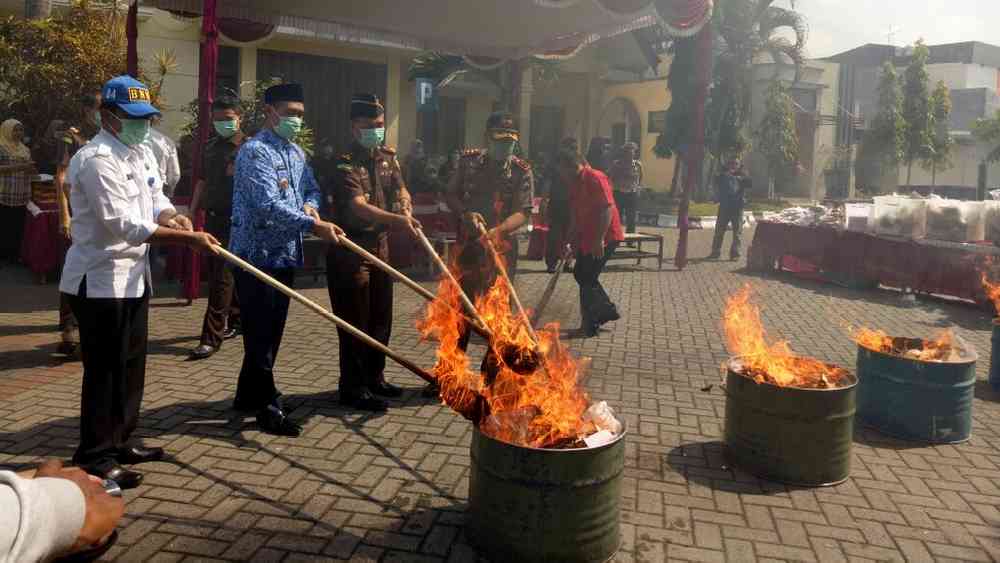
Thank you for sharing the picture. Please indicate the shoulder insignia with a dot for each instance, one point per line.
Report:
(388, 149)
(522, 164)
(73, 130)
(472, 153)
(346, 157)
(345, 167)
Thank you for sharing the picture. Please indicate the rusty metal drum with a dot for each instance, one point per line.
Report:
(558, 505)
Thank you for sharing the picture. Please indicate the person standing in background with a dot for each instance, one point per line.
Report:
(118, 210)
(558, 210)
(165, 151)
(729, 193)
(16, 169)
(275, 201)
(599, 154)
(595, 233)
(77, 135)
(214, 194)
(626, 175)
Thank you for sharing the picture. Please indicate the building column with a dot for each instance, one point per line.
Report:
(248, 70)
(524, 107)
(393, 99)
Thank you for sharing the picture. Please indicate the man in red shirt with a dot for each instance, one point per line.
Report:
(595, 232)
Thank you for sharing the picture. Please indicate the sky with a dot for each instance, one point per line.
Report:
(839, 25)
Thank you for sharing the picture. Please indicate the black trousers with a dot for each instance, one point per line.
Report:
(67, 321)
(361, 294)
(113, 338)
(627, 208)
(728, 215)
(12, 221)
(264, 312)
(593, 298)
(223, 306)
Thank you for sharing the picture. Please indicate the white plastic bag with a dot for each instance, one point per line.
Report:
(603, 418)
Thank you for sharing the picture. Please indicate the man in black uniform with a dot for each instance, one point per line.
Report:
(494, 188)
(214, 194)
(77, 135)
(729, 187)
(366, 198)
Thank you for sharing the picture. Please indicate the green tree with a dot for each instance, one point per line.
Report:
(987, 130)
(941, 140)
(918, 142)
(883, 144)
(48, 64)
(776, 134)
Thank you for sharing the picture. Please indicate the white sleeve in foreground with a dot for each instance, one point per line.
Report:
(39, 518)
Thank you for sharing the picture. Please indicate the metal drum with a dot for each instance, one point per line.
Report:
(995, 357)
(528, 504)
(790, 435)
(915, 400)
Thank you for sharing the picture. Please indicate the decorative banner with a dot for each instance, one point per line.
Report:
(684, 18)
(484, 64)
(623, 8)
(426, 99)
(244, 31)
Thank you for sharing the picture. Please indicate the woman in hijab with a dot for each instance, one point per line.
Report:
(16, 170)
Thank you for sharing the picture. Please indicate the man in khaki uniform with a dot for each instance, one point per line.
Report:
(494, 188)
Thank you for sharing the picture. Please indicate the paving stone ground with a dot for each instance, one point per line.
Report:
(394, 487)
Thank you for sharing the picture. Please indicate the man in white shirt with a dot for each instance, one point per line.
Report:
(165, 151)
(116, 192)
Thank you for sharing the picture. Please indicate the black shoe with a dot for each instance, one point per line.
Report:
(551, 269)
(385, 389)
(68, 348)
(610, 313)
(363, 400)
(714, 256)
(273, 420)
(734, 256)
(203, 351)
(232, 332)
(138, 454)
(590, 330)
(108, 468)
(431, 391)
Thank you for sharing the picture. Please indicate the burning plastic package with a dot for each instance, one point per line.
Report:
(602, 417)
(945, 347)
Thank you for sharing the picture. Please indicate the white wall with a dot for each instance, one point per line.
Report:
(959, 75)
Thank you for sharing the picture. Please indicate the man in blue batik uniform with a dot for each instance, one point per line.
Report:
(275, 201)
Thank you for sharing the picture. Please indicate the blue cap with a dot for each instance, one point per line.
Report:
(130, 95)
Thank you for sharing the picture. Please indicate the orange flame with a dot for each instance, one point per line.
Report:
(539, 409)
(944, 346)
(992, 292)
(772, 363)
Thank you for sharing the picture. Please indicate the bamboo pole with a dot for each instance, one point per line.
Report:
(466, 302)
(318, 309)
(550, 289)
(405, 280)
(503, 272)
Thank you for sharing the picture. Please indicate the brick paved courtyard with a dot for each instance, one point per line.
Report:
(394, 487)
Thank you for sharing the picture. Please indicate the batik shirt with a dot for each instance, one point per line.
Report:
(273, 183)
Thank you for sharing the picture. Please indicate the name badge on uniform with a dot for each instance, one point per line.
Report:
(151, 181)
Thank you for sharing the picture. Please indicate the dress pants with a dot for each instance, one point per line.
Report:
(113, 338)
(361, 294)
(264, 312)
(728, 215)
(68, 326)
(627, 208)
(223, 306)
(594, 299)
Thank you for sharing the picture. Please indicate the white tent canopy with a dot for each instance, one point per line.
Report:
(486, 28)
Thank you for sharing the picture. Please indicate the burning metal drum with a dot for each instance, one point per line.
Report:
(552, 505)
(995, 357)
(789, 434)
(911, 399)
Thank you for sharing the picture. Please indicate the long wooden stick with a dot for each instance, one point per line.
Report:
(466, 302)
(503, 272)
(421, 290)
(318, 309)
(550, 289)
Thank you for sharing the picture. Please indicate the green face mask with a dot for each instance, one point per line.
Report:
(226, 128)
(501, 150)
(371, 138)
(134, 131)
(288, 127)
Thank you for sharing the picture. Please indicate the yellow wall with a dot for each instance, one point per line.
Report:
(646, 96)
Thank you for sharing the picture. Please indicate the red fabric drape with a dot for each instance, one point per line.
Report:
(132, 37)
(697, 150)
(206, 91)
(684, 18)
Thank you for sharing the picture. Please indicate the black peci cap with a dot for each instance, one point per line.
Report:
(284, 93)
(366, 105)
(500, 125)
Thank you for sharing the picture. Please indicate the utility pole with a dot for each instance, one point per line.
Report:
(891, 35)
